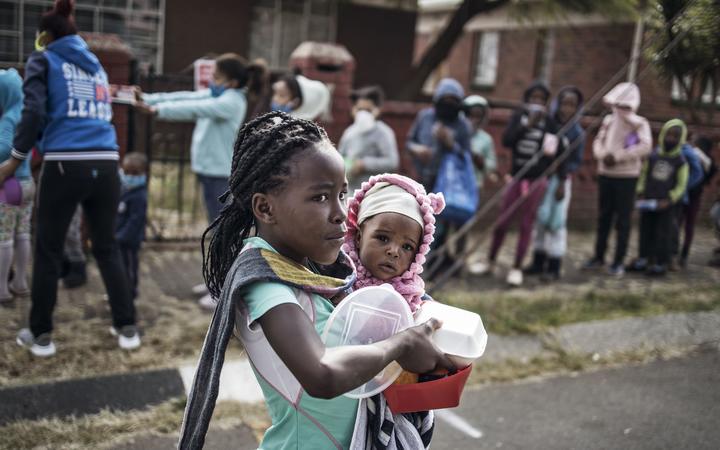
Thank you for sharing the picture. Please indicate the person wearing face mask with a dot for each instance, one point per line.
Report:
(531, 138)
(132, 212)
(623, 141)
(300, 97)
(438, 130)
(368, 145)
(662, 184)
(218, 113)
(550, 241)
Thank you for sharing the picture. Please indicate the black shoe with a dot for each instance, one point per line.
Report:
(553, 270)
(638, 265)
(656, 270)
(538, 265)
(593, 264)
(76, 276)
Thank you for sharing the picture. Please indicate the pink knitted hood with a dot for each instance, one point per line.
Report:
(409, 284)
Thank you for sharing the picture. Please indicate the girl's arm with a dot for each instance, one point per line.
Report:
(599, 149)
(327, 373)
(225, 107)
(159, 97)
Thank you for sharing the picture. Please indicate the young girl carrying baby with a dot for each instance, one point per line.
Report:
(274, 262)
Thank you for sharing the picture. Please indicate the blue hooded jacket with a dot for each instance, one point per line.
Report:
(11, 101)
(422, 132)
(67, 100)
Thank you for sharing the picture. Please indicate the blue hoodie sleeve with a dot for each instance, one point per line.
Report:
(578, 145)
(35, 106)
(130, 231)
(696, 171)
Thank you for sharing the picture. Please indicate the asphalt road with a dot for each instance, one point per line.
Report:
(672, 404)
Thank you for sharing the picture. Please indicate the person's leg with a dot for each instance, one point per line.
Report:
(213, 187)
(6, 259)
(664, 228)
(75, 270)
(625, 203)
(60, 190)
(513, 193)
(23, 244)
(606, 210)
(540, 239)
(691, 213)
(645, 239)
(130, 262)
(101, 211)
(528, 211)
(73, 248)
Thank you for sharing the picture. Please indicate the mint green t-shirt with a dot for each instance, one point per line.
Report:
(291, 429)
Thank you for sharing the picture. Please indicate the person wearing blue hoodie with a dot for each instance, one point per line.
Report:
(132, 214)
(436, 131)
(67, 102)
(550, 241)
(15, 215)
(696, 175)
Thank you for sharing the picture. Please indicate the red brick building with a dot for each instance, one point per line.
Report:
(497, 57)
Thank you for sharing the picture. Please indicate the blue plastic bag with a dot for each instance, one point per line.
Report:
(456, 181)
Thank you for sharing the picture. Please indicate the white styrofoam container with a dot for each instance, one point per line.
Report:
(462, 335)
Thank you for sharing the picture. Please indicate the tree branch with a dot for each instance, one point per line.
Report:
(441, 47)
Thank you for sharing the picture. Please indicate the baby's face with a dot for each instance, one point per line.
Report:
(388, 243)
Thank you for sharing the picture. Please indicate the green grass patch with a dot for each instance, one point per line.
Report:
(515, 313)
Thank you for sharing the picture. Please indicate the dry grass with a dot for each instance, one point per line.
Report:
(534, 312)
(173, 332)
(108, 428)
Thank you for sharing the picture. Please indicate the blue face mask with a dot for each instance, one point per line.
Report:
(132, 181)
(286, 108)
(216, 90)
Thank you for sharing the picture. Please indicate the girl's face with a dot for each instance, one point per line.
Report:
(388, 243)
(476, 115)
(282, 95)
(568, 106)
(220, 79)
(305, 218)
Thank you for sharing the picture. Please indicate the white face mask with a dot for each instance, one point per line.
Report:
(364, 121)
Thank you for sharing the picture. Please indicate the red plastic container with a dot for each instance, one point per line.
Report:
(438, 394)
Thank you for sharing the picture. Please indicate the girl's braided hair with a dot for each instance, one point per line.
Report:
(260, 164)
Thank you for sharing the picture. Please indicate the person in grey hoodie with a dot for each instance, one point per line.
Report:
(622, 143)
(368, 145)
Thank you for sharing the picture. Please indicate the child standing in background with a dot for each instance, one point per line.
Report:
(132, 213)
(15, 214)
(477, 111)
(662, 184)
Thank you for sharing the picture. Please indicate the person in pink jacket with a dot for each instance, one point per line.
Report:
(622, 143)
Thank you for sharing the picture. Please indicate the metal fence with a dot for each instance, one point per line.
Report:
(175, 207)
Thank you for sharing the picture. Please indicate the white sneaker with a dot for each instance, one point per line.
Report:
(207, 302)
(200, 289)
(128, 337)
(480, 268)
(41, 346)
(515, 277)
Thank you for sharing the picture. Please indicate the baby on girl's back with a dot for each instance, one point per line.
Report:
(390, 228)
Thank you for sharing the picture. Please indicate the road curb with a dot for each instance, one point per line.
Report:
(141, 389)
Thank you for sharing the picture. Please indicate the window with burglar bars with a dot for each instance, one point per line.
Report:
(279, 26)
(139, 23)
